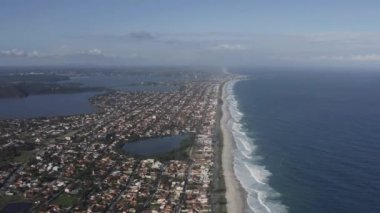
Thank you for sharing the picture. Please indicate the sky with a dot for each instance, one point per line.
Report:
(195, 32)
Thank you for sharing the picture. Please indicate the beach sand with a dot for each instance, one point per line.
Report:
(235, 196)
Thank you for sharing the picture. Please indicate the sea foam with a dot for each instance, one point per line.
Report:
(251, 174)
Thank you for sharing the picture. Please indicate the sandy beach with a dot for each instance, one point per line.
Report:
(234, 194)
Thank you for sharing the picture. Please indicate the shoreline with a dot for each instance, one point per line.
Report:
(235, 195)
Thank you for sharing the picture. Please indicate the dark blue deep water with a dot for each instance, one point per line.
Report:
(319, 135)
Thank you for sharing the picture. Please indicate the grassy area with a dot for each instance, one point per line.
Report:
(67, 200)
(17, 154)
(24, 156)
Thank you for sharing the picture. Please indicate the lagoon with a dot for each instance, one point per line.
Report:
(130, 83)
(46, 105)
(155, 146)
(17, 207)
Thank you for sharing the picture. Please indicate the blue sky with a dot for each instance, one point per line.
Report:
(196, 32)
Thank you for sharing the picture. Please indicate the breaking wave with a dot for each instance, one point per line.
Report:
(252, 175)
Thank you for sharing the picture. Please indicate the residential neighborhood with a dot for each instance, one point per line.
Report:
(78, 164)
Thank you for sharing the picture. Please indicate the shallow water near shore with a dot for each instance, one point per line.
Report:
(252, 175)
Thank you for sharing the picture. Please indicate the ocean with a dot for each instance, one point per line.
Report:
(308, 141)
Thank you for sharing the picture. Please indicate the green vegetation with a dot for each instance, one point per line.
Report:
(17, 154)
(23, 89)
(24, 156)
(32, 78)
(67, 200)
(23, 85)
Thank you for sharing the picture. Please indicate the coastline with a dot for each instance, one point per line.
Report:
(235, 194)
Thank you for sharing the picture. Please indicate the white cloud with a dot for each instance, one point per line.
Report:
(366, 58)
(353, 58)
(140, 36)
(339, 48)
(14, 53)
(95, 51)
(20, 53)
(229, 47)
(329, 58)
(34, 53)
(135, 56)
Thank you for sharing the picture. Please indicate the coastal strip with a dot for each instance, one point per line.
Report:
(235, 195)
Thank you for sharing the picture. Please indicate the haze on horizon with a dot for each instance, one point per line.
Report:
(230, 33)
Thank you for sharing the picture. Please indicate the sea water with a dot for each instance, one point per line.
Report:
(308, 141)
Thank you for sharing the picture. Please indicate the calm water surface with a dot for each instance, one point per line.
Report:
(154, 146)
(46, 105)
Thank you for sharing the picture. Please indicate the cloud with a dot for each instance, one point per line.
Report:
(126, 37)
(14, 53)
(35, 53)
(229, 47)
(348, 38)
(20, 53)
(166, 48)
(366, 58)
(139, 36)
(329, 58)
(351, 58)
(89, 52)
(95, 51)
(79, 56)
(135, 56)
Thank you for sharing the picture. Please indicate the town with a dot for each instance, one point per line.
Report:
(77, 164)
